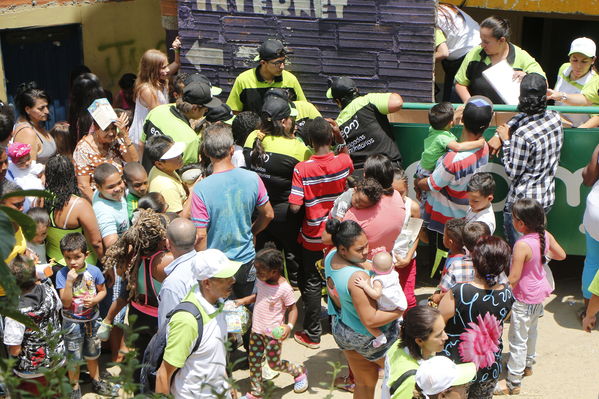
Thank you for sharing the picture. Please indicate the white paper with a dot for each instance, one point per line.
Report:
(102, 112)
(501, 77)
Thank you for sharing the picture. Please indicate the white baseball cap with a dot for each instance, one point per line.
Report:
(438, 373)
(173, 152)
(213, 263)
(583, 45)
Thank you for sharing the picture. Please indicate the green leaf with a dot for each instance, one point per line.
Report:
(7, 243)
(20, 317)
(9, 285)
(29, 193)
(27, 224)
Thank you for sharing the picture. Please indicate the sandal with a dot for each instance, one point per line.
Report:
(345, 384)
(507, 390)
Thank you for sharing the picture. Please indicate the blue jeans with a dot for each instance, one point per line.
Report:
(591, 265)
(511, 235)
(81, 340)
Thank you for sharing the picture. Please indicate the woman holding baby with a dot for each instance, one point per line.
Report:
(355, 313)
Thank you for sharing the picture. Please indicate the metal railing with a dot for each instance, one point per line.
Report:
(511, 108)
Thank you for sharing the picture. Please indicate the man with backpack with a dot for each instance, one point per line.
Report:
(198, 357)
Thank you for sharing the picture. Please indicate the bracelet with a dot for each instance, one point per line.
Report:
(290, 326)
(564, 97)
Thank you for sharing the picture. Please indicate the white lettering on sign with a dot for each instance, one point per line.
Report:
(572, 181)
(286, 8)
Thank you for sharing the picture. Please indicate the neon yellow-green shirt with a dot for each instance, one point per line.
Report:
(249, 89)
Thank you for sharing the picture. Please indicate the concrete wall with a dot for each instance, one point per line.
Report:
(384, 45)
(115, 33)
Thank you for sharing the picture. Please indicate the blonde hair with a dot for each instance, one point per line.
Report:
(148, 73)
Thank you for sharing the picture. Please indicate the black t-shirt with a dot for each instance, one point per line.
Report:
(366, 129)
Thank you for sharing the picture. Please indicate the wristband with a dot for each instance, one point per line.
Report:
(290, 326)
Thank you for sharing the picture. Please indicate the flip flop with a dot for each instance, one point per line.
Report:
(345, 384)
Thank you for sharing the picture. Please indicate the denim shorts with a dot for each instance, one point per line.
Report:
(349, 340)
(81, 340)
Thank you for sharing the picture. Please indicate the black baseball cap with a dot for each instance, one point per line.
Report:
(278, 92)
(533, 85)
(477, 113)
(199, 93)
(198, 77)
(271, 49)
(277, 108)
(222, 113)
(340, 87)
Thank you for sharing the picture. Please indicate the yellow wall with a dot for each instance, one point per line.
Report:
(115, 34)
(588, 7)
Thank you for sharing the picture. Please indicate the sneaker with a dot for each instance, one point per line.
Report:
(302, 338)
(301, 383)
(76, 393)
(268, 373)
(102, 388)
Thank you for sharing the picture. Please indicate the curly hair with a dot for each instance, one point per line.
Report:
(143, 239)
(532, 105)
(60, 181)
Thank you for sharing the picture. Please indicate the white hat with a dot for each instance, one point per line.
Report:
(583, 45)
(438, 373)
(213, 263)
(173, 152)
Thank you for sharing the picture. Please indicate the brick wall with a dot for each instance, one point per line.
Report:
(383, 45)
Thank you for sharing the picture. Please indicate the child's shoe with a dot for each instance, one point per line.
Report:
(302, 338)
(76, 393)
(102, 388)
(268, 373)
(527, 372)
(301, 383)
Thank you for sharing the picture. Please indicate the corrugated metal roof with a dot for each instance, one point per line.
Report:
(384, 45)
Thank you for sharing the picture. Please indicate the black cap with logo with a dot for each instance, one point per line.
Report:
(199, 93)
(270, 50)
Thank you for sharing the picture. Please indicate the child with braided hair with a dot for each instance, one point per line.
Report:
(139, 256)
(530, 286)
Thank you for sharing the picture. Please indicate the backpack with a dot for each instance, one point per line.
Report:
(154, 352)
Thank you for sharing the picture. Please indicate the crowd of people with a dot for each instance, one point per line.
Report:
(174, 211)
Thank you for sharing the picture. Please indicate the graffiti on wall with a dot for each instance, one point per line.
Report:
(287, 8)
(121, 57)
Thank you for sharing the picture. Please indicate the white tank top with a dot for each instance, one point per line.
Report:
(139, 117)
(568, 86)
(402, 242)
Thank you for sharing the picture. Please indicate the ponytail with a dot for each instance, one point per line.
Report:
(541, 232)
(531, 213)
(268, 127)
(343, 233)
(257, 154)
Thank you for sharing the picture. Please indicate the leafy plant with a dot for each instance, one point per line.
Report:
(9, 218)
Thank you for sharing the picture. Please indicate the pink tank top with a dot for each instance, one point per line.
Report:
(533, 286)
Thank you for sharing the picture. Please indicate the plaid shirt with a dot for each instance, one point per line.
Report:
(462, 271)
(531, 157)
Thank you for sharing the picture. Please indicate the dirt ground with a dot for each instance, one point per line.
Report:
(567, 358)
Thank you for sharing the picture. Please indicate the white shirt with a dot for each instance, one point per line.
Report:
(392, 296)
(590, 219)
(486, 216)
(139, 117)
(176, 285)
(564, 84)
(238, 158)
(207, 365)
(460, 30)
